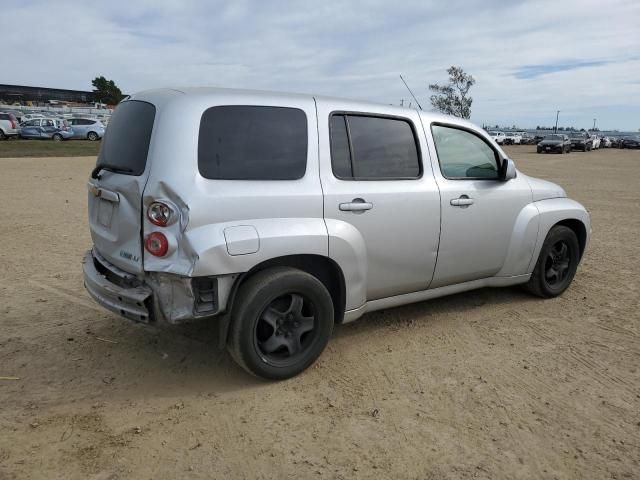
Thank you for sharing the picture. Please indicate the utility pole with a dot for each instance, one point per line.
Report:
(594, 124)
(555, 130)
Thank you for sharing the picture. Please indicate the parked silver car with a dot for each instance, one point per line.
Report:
(8, 125)
(278, 216)
(87, 128)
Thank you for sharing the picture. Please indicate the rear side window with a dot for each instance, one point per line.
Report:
(4, 116)
(126, 143)
(239, 142)
(373, 148)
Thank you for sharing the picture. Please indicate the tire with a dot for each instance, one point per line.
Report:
(93, 136)
(56, 137)
(269, 334)
(556, 265)
(2, 135)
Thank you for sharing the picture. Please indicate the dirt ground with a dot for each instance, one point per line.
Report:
(488, 384)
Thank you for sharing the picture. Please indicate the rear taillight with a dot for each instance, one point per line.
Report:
(159, 214)
(13, 123)
(156, 244)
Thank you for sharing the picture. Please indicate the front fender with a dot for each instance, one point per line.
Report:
(553, 211)
(523, 242)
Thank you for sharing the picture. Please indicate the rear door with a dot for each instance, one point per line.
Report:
(47, 127)
(115, 189)
(378, 194)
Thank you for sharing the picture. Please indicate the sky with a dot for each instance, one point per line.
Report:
(529, 58)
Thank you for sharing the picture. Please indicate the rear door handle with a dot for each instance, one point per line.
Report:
(462, 201)
(356, 205)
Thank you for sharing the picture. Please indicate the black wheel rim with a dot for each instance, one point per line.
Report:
(557, 264)
(285, 329)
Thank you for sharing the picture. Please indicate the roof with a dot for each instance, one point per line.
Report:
(164, 95)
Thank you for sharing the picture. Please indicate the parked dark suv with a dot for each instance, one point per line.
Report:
(581, 141)
(630, 142)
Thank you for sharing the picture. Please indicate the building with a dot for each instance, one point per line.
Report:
(24, 95)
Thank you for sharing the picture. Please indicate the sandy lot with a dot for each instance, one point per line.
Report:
(488, 384)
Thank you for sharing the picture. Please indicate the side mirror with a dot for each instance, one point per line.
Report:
(508, 170)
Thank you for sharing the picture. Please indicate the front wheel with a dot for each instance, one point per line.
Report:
(56, 137)
(281, 321)
(557, 263)
(93, 136)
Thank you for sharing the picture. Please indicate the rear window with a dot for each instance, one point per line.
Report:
(125, 146)
(366, 147)
(239, 142)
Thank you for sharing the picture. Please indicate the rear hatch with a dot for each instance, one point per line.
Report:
(117, 183)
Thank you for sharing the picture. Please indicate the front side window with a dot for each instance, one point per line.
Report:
(239, 142)
(464, 155)
(370, 148)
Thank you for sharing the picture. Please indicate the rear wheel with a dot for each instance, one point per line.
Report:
(56, 137)
(2, 135)
(557, 263)
(93, 136)
(281, 321)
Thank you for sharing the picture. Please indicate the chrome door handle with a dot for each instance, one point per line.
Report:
(462, 201)
(357, 205)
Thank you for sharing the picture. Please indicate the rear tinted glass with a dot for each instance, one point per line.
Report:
(252, 143)
(340, 151)
(383, 148)
(126, 142)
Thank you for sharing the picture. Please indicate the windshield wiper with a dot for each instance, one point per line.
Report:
(111, 168)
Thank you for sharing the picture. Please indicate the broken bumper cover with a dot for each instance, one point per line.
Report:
(130, 302)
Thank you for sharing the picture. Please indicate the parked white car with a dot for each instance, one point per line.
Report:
(276, 216)
(595, 139)
(512, 138)
(498, 137)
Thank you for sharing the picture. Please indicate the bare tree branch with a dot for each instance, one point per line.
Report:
(453, 98)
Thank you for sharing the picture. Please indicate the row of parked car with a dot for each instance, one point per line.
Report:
(512, 138)
(562, 143)
(584, 141)
(52, 128)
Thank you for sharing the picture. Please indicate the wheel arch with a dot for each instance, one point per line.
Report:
(565, 212)
(579, 229)
(323, 268)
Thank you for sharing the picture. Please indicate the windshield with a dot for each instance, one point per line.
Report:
(126, 142)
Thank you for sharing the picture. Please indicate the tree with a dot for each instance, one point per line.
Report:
(106, 91)
(453, 98)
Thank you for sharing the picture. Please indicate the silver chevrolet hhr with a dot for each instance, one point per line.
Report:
(279, 215)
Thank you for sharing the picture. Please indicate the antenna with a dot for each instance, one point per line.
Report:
(414, 97)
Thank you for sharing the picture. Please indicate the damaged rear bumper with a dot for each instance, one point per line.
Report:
(116, 290)
(157, 297)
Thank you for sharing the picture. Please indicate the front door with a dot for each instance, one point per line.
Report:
(479, 211)
(377, 201)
